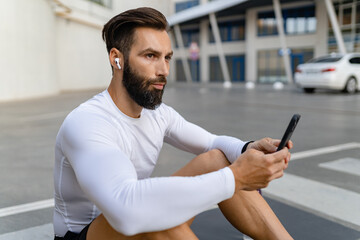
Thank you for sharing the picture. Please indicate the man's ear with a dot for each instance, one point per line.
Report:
(116, 58)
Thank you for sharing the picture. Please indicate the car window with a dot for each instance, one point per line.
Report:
(326, 59)
(355, 60)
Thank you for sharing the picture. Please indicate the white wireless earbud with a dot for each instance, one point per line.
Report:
(117, 63)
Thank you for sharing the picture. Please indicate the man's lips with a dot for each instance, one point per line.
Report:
(159, 86)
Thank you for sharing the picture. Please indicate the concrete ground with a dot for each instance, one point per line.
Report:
(318, 198)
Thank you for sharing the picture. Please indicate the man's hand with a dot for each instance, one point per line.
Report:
(267, 145)
(254, 169)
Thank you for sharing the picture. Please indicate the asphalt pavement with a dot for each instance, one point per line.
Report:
(318, 198)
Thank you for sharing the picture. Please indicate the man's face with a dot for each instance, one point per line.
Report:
(146, 68)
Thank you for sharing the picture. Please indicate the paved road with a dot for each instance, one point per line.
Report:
(318, 198)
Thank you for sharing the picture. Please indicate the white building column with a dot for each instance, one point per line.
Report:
(182, 53)
(335, 26)
(216, 32)
(251, 48)
(204, 56)
(285, 51)
(322, 29)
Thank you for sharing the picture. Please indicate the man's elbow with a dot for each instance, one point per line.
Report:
(128, 224)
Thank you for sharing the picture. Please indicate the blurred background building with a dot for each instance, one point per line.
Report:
(48, 46)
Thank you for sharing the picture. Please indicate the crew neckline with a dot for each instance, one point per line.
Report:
(109, 98)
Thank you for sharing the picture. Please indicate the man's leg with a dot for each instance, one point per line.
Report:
(101, 229)
(247, 211)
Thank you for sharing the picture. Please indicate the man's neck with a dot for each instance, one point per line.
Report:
(122, 99)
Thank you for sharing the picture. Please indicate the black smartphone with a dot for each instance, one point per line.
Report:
(289, 131)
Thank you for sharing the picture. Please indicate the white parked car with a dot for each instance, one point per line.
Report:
(334, 71)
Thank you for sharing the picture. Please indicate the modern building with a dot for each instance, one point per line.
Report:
(48, 46)
(251, 45)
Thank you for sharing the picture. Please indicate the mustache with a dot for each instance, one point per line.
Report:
(160, 79)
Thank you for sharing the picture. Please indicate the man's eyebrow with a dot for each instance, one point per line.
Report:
(147, 50)
(170, 53)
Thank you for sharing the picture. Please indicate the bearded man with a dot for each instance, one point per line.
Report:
(107, 148)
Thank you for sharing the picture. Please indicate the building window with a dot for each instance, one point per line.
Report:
(229, 31)
(194, 70)
(348, 13)
(236, 67)
(299, 56)
(180, 6)
(216, 74)
(271, 65)
(189, 34)
(266, 24)
(296, 21)
(179, 69)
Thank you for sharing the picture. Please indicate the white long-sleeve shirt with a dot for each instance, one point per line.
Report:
(103, 163)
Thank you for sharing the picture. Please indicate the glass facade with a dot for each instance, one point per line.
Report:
(348, 13)
(190, 35)
(229, 31)
(194, 70)
(271, 65)
(296, 21)
(299, 56)
(180, 6)
(180, 75)
(236, 66)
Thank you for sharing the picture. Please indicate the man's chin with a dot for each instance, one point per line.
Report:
(152, 107)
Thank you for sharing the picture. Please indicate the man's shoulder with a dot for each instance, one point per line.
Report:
(94, 111)
(98, 104)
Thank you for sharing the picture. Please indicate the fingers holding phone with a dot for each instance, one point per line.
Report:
(265, 145)
(268, 145)
(264, 160)
(254, 169)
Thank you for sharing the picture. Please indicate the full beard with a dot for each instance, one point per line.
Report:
(139, 88)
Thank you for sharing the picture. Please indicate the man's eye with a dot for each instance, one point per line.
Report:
(168, 58)
(150, 55)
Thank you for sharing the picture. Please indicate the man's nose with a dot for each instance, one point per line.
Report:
(162, 68)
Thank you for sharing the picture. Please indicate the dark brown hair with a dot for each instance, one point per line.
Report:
(118, 32)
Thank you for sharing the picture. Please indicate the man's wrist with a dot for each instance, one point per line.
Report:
(238, 184)
(246, 146)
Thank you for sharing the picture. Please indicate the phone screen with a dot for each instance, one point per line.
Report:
(289, 131)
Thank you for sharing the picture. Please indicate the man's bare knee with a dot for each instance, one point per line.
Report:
(217, 154)
(210, 161)
(217, 159)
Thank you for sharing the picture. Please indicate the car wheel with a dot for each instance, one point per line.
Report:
(351, 86)
(309, 90)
